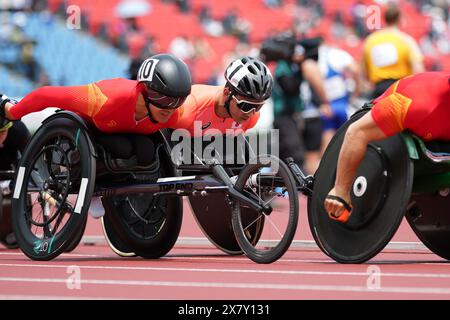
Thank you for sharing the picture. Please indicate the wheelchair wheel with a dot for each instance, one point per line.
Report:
(268, 181)
(76, 241)
(7, 237)
(113, 241)
(380, 194)
(428, 217)
(57, 173)
(149, 226)
(146, 224)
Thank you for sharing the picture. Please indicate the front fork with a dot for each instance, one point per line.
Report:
(305, 183)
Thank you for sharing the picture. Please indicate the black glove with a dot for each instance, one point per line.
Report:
(4, 122)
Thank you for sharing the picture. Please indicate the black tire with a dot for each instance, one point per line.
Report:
(264, 250)
(380, 194)
(58, 161)
(133, 230)
(113, 240)
(149, 233)
(7, 237)
(76, 241)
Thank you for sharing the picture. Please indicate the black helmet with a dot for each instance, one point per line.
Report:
(250, 77)
(167, 80)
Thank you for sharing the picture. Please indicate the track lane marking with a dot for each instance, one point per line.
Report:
(256, 271)
(258, 286)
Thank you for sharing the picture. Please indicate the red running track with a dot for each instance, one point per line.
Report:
(406, 271)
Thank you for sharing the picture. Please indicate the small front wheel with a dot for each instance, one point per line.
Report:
(268, 181)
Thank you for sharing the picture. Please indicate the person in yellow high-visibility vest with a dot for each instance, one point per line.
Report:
(390, 54)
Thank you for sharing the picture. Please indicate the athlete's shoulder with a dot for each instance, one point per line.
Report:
(204, 89)
(374, 35)
(118, 81)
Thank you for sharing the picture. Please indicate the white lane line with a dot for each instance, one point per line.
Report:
(256, 271)
(259, 286)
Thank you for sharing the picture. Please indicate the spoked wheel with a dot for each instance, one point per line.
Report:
(269, 182)
(144, 224)
(113, 240)
(56, 176)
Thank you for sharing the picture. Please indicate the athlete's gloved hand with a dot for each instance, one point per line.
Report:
(5, 124)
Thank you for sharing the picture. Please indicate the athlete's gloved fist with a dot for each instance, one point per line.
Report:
(4, 122)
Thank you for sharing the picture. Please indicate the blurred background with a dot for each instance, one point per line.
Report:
(73, 42)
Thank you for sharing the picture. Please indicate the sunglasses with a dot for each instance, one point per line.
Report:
(162, 101)
(248, 106)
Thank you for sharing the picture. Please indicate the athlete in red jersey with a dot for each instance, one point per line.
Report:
(204, 109)
(232, 108)
(419, 103)
(118, 105)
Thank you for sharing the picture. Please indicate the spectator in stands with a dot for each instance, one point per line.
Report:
(183, 5)
(273, 3)
(182, 48)
(237, 26)
(211, 26)
(43, 80)
(390, 54)
(28, 62)
(359, 14)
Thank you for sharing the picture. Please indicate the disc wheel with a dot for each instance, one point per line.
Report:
(144, 224)
(113, 240)
(380, 194)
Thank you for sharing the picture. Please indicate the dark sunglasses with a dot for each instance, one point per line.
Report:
(248, 106)
(163, 101)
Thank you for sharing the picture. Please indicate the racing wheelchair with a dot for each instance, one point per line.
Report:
(251, 209)
(400, 176)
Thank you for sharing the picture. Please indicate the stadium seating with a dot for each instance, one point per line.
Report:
(14, 85)
(70, 57)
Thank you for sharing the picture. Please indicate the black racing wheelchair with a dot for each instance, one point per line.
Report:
(251, 208)
(400, 176)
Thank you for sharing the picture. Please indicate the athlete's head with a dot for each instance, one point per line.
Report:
(392, 15)
(249, 84)
(166, 83)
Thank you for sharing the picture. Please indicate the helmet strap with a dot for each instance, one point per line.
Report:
(149, 114)
(227, 104)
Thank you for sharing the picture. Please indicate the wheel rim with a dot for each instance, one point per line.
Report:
(48, 189)
(266, 236)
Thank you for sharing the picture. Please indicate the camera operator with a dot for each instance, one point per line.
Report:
(300, 128)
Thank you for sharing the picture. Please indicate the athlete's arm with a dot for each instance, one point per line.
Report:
(67, 98)
(357, 137)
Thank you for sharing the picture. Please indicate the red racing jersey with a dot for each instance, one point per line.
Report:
(197, 114)
(108, 104)
(419, 103)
